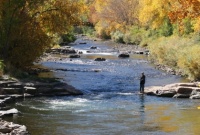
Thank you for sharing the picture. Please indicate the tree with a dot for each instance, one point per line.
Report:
(183, 10)
(27, 27)
(153, 12)
(111, 15)
(166, 28)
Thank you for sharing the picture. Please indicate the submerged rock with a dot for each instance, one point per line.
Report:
(74, 56)
(124, 55)
(93, 47)
(100, 59)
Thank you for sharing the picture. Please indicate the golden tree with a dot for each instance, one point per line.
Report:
(115, 14)
(27, 27)
(153, 12)
(182, 9)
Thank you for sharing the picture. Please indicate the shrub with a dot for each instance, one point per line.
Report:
(117, 37)
(103, 34)
(187, 26)
(149, 36)
(189, 61)
(89, 31)
(69, 37)
(133, 36)
(164, 51)
(166, 29)
(178, 52)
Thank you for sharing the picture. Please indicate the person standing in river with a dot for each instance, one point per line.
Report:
(142, 82)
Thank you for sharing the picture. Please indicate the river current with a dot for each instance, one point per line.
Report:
(111, 104)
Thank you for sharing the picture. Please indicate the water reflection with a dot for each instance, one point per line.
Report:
(111, 104)
(142, 108)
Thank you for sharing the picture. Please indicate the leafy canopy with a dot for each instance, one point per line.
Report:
(27, 27)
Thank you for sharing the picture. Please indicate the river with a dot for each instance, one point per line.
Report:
(111, 104)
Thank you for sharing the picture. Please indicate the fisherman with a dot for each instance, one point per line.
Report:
(142, 82)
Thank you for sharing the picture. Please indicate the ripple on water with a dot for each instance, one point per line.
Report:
(110, 104)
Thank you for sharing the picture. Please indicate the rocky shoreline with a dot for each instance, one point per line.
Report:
(12, 90)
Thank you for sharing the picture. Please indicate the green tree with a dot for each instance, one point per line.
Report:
(187, 26)
(166, 29)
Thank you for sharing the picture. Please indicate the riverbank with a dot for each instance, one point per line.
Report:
(13, 90)
(61, 62)
(108, 93)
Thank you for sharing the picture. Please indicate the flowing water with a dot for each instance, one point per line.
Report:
(111, 104)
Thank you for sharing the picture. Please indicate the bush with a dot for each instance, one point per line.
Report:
(69, 37)
(188, 26)
(178, 52)
(189, 61)
(140, 36)
(89, 31)
(164, 51)
(149, 36)
(103, 34)
(134, 36)
(166, 29)
(117, 37)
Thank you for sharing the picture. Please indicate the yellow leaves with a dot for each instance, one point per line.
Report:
(99, 4)
(32, 26)
(184, 9)
(57, 16)
(197, 24)
(153, 12)
(113, 15)
(189, 61)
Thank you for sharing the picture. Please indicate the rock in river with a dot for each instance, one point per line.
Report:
(176, 90)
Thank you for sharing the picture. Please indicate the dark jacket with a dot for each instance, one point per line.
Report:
(142, 79)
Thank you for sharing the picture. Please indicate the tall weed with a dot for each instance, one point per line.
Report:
(189, 61)
(178, 52)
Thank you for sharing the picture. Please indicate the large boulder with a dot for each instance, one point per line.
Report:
(162, 91)
(9, 128)
(30, 90)
(184, 90)
(176, 90)
(152, 90)
(12, 90)
(195, 93)
(197, 96)
(9, 112)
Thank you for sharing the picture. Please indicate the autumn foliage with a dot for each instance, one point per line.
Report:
(28, 27)
(169, 28)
